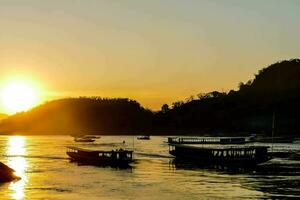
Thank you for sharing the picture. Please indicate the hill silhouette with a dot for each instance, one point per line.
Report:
(81, 115)
(274, 89)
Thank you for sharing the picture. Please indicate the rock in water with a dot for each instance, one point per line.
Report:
(7, 174)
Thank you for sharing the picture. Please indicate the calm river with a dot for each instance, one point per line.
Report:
(47, 173)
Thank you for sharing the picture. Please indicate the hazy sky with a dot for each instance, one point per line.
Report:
(154, 51)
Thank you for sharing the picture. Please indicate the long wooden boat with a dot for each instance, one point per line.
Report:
(223, 155)
(118, 157)
(86, 136)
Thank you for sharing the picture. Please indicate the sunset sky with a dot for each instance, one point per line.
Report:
(155, 51)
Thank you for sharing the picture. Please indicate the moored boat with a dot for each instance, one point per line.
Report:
(119, 157)
(145, 137)
(91, 136)
(223, 155)
(82, 139)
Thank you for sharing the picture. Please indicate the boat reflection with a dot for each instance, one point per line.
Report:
(16, 152)
(124, 167)
(189, 165)
(275, 180)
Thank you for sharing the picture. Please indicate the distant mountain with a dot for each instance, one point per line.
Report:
(81, 115)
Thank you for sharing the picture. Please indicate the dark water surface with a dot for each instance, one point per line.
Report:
(47, 173)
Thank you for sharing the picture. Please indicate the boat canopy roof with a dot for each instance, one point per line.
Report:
(98, 151)
(207, 137)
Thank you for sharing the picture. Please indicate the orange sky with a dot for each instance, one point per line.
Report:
(153, 51)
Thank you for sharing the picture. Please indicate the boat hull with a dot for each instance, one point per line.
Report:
(99, 161)
(84, 140)
(221, 156)
(220, 161)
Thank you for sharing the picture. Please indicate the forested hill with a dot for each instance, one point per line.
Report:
(274, 89)
(81, 115)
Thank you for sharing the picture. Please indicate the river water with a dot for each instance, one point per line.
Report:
(47, 173)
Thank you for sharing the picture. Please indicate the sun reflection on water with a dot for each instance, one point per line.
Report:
(16, 152)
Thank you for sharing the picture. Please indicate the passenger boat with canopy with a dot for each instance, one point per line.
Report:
(119, 157)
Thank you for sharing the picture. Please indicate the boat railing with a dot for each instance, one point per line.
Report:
(207, 140)
(117, 153)
(219, 146)
(245, 152)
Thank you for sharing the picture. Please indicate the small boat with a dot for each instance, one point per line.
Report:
(118, 157)
(82, 139)
(91, 137)
(222, 155)
(145, 137)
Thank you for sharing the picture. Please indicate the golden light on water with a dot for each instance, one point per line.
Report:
(18, 95)
(16, 150)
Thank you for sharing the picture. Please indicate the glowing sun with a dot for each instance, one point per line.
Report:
(18, 96)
